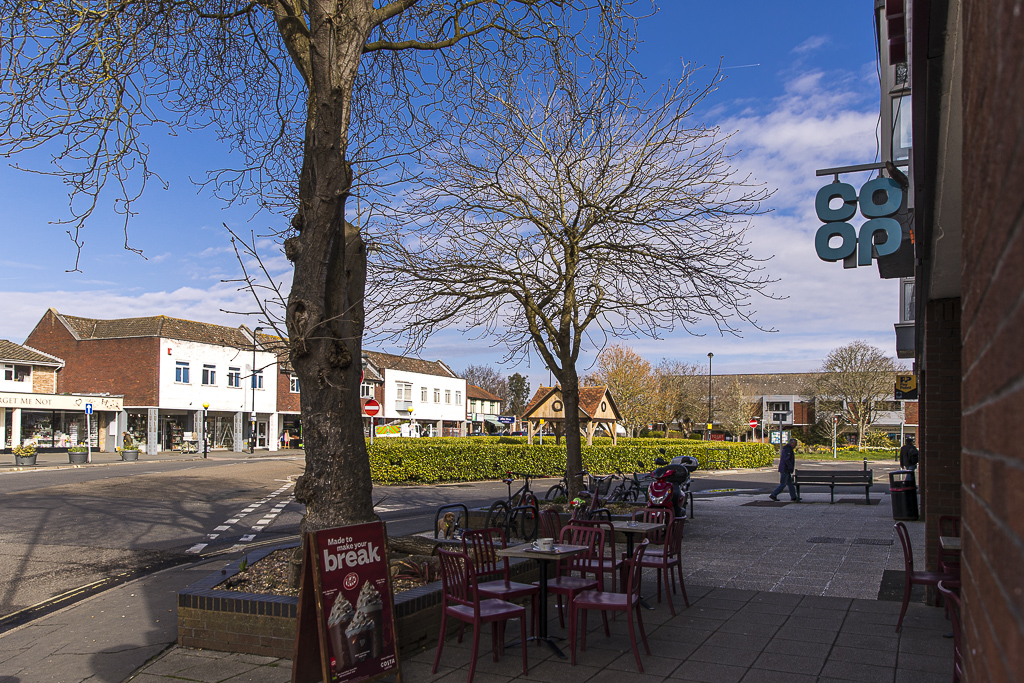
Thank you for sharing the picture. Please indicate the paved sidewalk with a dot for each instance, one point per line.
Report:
(50, 461)
(777, 593)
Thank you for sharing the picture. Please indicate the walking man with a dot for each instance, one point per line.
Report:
(787, 462)
(909, 455)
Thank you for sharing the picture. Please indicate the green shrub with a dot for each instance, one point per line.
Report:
(394, 460)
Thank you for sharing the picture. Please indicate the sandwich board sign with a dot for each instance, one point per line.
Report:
(346, 620)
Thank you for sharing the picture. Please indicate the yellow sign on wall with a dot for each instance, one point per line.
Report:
(906, 387)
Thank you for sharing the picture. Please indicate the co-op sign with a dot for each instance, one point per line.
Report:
(879, 200)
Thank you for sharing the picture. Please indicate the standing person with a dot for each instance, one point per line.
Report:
(787, 462)
(909, 455)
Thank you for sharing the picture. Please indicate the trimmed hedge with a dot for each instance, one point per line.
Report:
(430, 460)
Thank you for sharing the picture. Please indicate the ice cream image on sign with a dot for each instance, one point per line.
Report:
(337, 623)
(371, 606)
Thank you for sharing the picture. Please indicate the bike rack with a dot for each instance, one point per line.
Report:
(451, 506)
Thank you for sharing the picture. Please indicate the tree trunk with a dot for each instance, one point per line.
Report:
(325, 307)
(573, 444)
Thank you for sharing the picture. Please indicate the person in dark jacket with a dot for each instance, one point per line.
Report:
(909, 455)
(787, 463)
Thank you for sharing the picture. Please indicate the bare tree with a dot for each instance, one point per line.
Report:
(632, 383)
(679, 398)
(733, 408)
(320, 98)
(578, 208)
(859, 376)
(487, 378)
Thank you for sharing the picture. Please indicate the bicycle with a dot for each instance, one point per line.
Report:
(561, 489)
(629, 490)
(519, 514)
(587, 505)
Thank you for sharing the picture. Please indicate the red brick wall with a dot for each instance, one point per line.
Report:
(993, 329)
(286, 400)
(910, 413)
(116, 366)
(803, 413)
(940, 419)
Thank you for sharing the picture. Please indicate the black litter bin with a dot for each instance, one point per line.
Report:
(903, 491)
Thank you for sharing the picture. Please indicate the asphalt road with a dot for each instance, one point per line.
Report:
(65, 528)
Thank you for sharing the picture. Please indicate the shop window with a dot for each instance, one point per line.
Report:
(257, 379)
(17, 373)
(293, 384)
(447, 395)
(209, 375)
(365, 390)
(235, 377)
(181, 372)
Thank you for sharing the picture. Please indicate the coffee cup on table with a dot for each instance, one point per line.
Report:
(545, 544)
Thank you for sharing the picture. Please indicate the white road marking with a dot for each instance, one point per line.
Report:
(196, 548)
(257, 528)
(248, 537)
(222, 527)
(212, 536)
(234, 520)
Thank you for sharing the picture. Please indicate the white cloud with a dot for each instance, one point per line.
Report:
(811, 44)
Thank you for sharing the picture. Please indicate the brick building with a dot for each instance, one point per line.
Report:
(482, 410)
(32, 412)
(168, 369)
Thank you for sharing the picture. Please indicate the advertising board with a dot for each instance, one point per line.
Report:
(346, 631)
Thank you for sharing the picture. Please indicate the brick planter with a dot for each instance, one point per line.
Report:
(230, 621)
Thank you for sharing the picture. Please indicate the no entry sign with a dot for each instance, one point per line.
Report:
(371, 408)
(753, 422)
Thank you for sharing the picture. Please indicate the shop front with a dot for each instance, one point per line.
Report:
(56, 422)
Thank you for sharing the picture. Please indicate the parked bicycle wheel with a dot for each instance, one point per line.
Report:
(556, 491)
(498, 515)
(526, 522)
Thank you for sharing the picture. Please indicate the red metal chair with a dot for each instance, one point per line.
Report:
(912, 577)
(655, 516)
(610, 562)
(628, 602)
(952, 601)
(480, 545)
(949, 560)
(567, 585)
(666, 559)
(461, 600)
(550, 523)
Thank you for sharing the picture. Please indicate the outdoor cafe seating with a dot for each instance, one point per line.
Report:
(480, 545)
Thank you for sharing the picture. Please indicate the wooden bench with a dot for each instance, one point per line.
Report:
(834, 478)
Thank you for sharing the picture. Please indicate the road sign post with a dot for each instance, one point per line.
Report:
(88, 432)
(753, 426)
(372, 408)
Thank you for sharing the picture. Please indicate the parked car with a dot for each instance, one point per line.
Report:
(519, 433)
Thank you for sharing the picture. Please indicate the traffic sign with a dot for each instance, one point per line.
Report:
(88, 409)
(753, 422)
(371, 408)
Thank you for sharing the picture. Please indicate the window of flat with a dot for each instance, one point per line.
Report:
(447, 395)
(293, 384)
(209, 375)
(888, 405)
(779, 406)
(17, 373)
(423, 394)
(458, 397)
(257, 380)
(181, 372)
(404, 391)
(437, 395)
(780, 417)
(235, 377)
(365, 390)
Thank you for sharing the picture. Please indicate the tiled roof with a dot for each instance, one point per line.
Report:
(387, 361)
(756, 386)
(473, 391)
(158, 326)
(590, 399)
(9, 351)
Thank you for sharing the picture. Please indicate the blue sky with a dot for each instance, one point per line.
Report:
(801, 93)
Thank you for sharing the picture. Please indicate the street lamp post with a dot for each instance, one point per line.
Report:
(252, 426)
(710, 356)
(206, 429)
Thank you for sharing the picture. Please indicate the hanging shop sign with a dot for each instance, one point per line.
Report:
(879, 200)
(906, 387)
(346, 627)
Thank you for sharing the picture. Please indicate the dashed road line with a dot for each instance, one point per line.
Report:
(266, 519)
